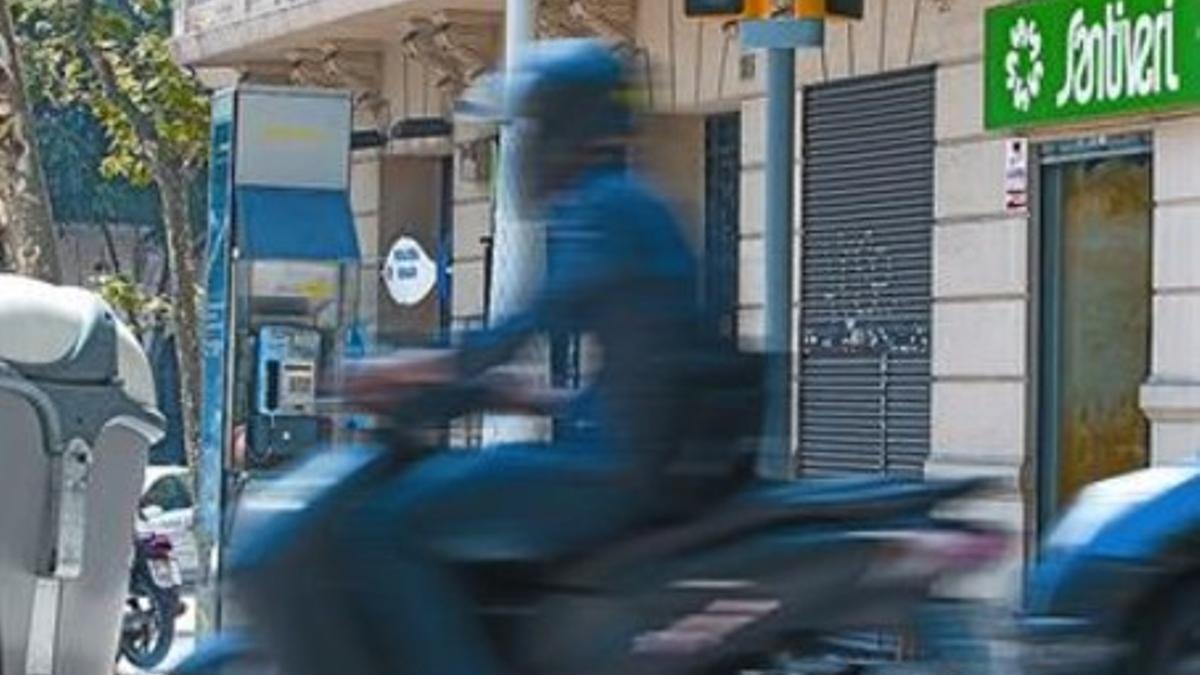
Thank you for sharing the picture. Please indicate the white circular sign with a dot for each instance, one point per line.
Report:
(409, 273)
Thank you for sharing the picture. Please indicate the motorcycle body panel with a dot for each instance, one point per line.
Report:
(1112, 558)
(753, 573)
(778, 562)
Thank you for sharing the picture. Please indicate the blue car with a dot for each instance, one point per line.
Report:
(1116, 590)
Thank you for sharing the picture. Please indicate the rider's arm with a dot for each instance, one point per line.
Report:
(579, 268)
(520, 395)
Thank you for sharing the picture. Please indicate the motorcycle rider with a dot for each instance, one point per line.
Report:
(618, 269)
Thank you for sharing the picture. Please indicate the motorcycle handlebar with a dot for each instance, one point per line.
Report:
(425, 406)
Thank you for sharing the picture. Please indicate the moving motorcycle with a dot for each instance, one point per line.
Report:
(774, 569)
(1117, 588)
(153, 604)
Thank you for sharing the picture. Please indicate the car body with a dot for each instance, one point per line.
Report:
(168, 508)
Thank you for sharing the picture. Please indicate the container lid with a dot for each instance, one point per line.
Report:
(69, 335)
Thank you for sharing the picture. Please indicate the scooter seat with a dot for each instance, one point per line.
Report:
(845, 498)
(767, 504)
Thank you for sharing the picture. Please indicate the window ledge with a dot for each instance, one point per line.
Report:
(1171, 401)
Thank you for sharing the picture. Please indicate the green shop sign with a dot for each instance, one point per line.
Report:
(1053, 61)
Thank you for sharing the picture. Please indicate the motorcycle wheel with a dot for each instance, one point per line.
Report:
(148, 626)
(1171, 644)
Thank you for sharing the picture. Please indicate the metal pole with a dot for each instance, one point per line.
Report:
(513, 243)
(515, 247)
(218, 336)
(228, 401)
(776, 459)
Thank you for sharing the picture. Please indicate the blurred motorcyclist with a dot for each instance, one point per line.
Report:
(618, 269)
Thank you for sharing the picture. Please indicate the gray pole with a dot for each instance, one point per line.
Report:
(515, 243)
(776, 459)
(515, 253)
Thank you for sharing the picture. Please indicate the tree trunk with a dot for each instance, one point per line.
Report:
(181, 258)
(185, 314)
(110, 245)
(172, 190)
(27, 242)
(180, 235)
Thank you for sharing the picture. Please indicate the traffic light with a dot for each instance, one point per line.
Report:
(761, 9)
(828, 9)
(747, 9)
(703, 8)
(809, 9)
(844, 9)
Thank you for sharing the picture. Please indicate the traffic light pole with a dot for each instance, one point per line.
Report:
(776, 459)
(780, 38)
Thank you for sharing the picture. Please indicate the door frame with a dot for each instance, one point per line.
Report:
(720, 239)
(1041, 483)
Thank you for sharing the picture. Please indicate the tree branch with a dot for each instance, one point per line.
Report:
(111, 244)
(143, 126)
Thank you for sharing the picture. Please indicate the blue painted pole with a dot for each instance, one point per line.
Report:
(776, 458)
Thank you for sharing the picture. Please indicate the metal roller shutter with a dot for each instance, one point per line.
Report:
(867, 274)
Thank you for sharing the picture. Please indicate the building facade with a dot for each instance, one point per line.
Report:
(975, 294)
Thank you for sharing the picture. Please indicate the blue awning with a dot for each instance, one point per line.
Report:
(295, 224)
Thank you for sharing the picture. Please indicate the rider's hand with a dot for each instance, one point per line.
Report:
(376, 380)
(523, 394)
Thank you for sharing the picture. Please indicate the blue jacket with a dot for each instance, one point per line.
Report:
(618, 269)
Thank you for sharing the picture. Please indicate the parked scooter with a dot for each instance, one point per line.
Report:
(1117, 588)
(148, 623)
(775, 569)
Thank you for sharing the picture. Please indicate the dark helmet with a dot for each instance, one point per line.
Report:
(572, 90)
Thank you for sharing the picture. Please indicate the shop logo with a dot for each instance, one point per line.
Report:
(1119, 56)
(1023, 64)
(1056, 61)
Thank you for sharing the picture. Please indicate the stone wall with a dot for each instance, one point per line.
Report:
(1171, 398)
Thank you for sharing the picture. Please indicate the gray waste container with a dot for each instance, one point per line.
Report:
(77, 417)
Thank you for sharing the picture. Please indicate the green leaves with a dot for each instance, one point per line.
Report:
(72, 144)
(158, 110)
(140, 310)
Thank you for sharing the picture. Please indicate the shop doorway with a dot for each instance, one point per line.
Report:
(416, 202)
(1094, 314)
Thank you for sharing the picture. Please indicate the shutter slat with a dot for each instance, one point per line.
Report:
(866, 275)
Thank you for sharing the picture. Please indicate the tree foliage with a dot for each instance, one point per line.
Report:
(61, 40)
(143, 311)
(72, 144)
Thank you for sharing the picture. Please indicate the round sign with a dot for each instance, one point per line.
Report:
(409, 272)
